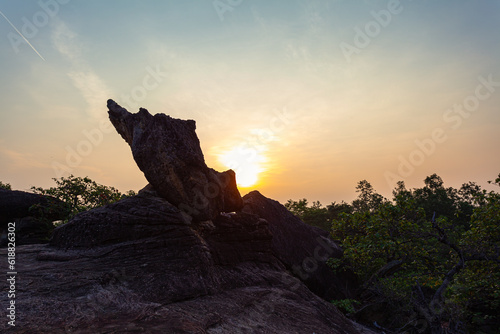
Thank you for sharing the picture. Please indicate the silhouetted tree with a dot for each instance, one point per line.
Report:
(315, 215)
(432, 250)
(368, 199)
(81, 194)
(5, 185)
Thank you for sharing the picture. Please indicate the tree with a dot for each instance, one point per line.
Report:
(336, 209)
(298, 208)
(81, 194)
(478, 287)
(367, 199)
(5, 185)
(410, 258)
(315, 215)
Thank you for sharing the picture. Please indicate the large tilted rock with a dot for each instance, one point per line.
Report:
(302, 248)
(136, 266)
(168, 152)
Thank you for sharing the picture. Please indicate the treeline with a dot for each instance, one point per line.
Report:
(428, 260)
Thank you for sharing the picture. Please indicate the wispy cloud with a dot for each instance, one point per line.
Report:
(93, 90)
(84, 78)
(17, 160)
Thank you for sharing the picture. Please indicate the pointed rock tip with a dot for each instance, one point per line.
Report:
(116, 110)
(111, 103)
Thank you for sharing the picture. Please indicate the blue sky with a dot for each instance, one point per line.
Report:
(269, 79)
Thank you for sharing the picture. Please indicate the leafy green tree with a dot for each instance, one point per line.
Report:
(5, 185)
(478, 287)
(368, 199)
(298, 208)
(434, 197)
(319, 216)
(315, 215)
(336, 209)
(419, 253)
(81, 194)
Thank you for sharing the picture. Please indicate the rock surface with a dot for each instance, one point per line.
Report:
(168, 152)
(136, 266)
(302, 248)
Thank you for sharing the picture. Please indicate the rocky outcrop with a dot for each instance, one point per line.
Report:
(18, 204)
(137, 266)
(32, 214)
(141, 265)
(168, 152)
(130, 219)
(302, 248)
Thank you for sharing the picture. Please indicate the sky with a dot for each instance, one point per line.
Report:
(302, 98)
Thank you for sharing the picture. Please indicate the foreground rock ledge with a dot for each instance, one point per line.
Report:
(136, 266)
(168, 152)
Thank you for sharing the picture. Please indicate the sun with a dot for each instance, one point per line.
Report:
(247, 164)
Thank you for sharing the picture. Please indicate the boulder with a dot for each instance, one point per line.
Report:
(32, 214)
(168, 152)
(129, 219)
(302, 248)
(18, 204)
(31, 230)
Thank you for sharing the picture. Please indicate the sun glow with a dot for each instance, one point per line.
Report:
(247, 164)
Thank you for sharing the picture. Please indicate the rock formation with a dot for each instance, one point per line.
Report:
(168, 152)
(17, 204)
(32, 213)
(139, 266)
(302, 248)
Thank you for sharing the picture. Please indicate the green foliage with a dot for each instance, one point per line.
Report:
(478, 287)
(336, 209)
(81, 194)
(368, 199)
(447, 268)
(346, 305)
(298, 208)
(316, 214)
(5, 185)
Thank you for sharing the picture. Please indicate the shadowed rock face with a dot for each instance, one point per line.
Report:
(168, 152)
(302, 248)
